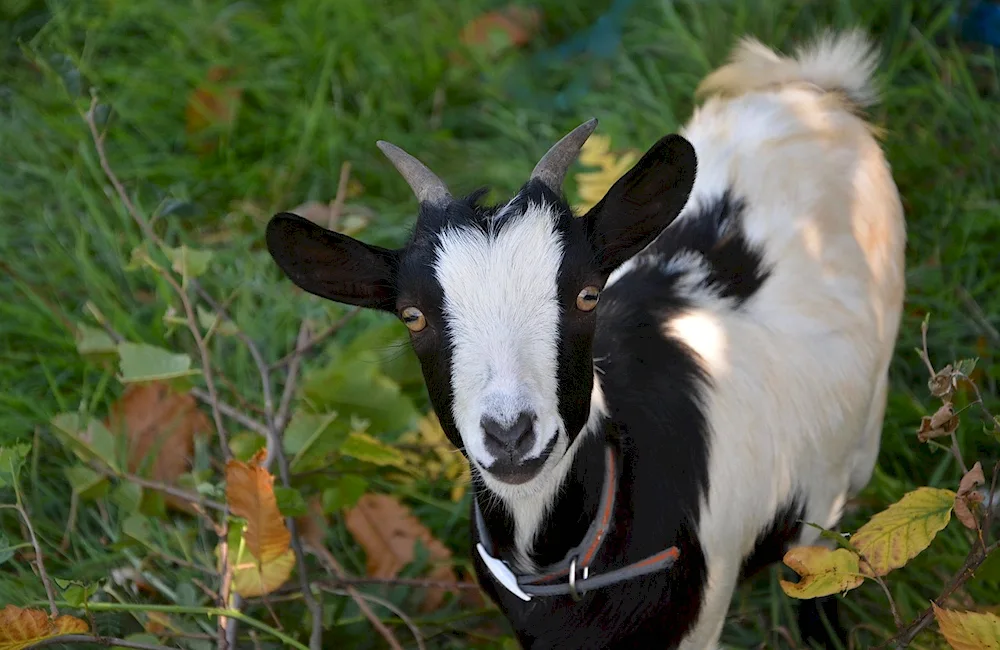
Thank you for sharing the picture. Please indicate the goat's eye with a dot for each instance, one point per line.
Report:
(587, 299)
(414, 319)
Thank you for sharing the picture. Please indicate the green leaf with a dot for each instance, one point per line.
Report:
(141, 362)
(189, 262)
(899, 533)
(345, 494)
(11, 460)
(6, 550)
(90, 442)
(86, 482)
(137, 527)
(966, 366)
(354, 385)
(311, 437)
(290, 501)
(76, 593)
(208, 320)
(245, 444)
(364, 447)
(824, 572)
(94, 341)
(127, 496)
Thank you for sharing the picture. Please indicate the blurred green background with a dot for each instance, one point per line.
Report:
(219, 114)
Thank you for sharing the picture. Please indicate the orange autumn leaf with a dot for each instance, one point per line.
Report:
(388, 532)
(250, 494)
(20, 628)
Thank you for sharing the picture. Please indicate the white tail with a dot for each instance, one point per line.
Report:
(835, 62)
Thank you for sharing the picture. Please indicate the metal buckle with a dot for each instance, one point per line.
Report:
(573, 593)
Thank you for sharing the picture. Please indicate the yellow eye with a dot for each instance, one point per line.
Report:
(587, 299)
(414, 319)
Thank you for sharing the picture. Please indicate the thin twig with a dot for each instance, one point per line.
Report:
(180, 493)
(978, 314)
(99, 640)
(414, 630)
(319, 338)
(978, 555)
(925, 356)
(281, 419)
(39, 559)
(315, 611)
(892, 603)
(337, 207)
(232, 412)
(331, 564)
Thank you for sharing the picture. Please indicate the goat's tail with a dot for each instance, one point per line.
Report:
(841, 63)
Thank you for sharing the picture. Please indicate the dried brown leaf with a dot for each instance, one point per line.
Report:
(967, 496)
(942, 383)
(160, 424)
(388, 532)
(20, 628)
(250, 494)
(944, 422)
(213, 104)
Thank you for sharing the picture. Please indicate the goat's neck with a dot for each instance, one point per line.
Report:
(563, 524)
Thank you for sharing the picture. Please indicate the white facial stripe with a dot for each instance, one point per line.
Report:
(501, 310)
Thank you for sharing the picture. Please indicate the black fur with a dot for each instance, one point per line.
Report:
(774, 540)
(714, 230)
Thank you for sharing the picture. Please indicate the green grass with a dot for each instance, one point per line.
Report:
(321, 82)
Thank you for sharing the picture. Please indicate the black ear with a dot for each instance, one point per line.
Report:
(331, 265)
(643, 202)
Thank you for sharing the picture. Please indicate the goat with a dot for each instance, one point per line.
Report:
(654, 396)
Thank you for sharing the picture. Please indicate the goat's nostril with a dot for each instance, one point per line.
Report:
(513, 437)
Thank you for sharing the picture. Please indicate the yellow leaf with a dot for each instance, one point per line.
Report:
(592, 186)
(250, 494)
(20, 628)
(899, 533)
(253, 578)
(969, 630)
(824, 572)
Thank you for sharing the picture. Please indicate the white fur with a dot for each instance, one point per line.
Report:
(799, 373)
(503, 316)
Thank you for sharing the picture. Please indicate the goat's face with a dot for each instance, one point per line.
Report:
(501, 302)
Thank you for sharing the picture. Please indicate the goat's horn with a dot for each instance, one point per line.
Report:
(552, 168)
(424, 183)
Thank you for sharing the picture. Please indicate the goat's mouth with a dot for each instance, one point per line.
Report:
(512, 468)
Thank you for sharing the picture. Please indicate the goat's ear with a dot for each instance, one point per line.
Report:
(643, 202)
(331, 265)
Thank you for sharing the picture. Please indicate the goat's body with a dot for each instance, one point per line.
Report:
(742, 358)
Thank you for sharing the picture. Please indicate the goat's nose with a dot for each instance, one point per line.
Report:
(511, 439)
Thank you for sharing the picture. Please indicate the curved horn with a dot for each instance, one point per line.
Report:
(552, 168)
(424, 183)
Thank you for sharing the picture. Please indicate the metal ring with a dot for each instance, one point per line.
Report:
(573, 593)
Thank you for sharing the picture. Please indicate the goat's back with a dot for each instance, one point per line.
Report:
(797, 356)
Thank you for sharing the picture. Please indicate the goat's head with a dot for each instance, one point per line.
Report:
(501, 302)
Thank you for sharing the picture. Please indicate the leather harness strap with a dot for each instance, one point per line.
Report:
(579, 558)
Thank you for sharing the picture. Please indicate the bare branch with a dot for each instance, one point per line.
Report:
(414, 630)
(976, 557)
(331, 564)
(281, 420)
(325, 334)
(337, 208)
(232, 412)
(180, 493)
